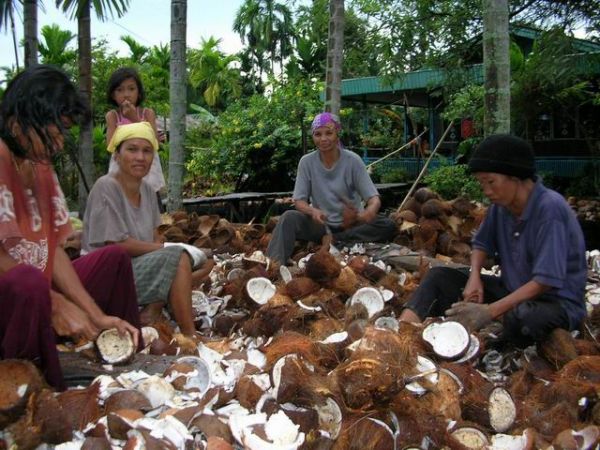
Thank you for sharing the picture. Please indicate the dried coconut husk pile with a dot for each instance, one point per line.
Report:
(586, 209)
(312, 357)
(435, 227)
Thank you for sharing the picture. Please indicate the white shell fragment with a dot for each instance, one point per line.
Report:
(156, 389)
(472, 351)
(424, 365)
(285, 274)
(448, 339)
(330, 417)
(114, 347)
(390, 323)
(370, 298)
(260, 289)
(501, 409)
(200, 377)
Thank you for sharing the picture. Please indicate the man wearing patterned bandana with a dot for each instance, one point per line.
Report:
(334, 197)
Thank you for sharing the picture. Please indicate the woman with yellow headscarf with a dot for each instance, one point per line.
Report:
(122, 209)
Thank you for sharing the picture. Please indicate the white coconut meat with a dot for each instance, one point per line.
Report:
(260, 289)
(370, 298)
(472, 351)
(330, 417)
(471, 437)
(156, 389)
(386, 294)
(424, 366)
(501, 409)
(448, 340)
(335, 338)
(509, 442)
(114, 347)
(386, 322)
(199, 378)
(285, 274)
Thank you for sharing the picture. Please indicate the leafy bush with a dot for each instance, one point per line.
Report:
(453, 181)
(383, 174)
(257, 144)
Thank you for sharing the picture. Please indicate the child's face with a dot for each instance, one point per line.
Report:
(127, 91)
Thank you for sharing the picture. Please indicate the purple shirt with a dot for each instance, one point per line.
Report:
(545, 244)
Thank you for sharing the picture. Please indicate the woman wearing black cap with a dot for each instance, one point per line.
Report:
(535, 237)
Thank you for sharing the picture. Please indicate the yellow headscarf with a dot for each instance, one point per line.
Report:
(142, 130)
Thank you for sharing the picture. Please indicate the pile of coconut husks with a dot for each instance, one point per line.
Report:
(312, 356)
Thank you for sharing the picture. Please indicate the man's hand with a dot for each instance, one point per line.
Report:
(318, 216)
(105, 322)
(473, 316)
(473, 291)
(68, 319)
(349, 216)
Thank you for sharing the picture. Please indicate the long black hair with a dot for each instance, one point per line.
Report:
(120, 75)
(36, 98)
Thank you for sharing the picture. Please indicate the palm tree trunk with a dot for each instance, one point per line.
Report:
(30, 25)
(178, 100)
(14, 36)
(86, 150)
(335, 49)
(496, 65)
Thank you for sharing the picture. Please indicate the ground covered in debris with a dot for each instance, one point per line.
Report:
(312, 357)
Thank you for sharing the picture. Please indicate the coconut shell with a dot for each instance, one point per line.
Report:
(300, 287)
(323, 266)
(127, 399)
(13, 400)
(121, 421)
(50, 417)
(423, 194)
(81, 406)
(366, 433)
(373, 273)
(248, 393)
(96, 443)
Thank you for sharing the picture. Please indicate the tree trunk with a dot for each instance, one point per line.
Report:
(177, 94)
(30, 24)
(14, 36)
(86, 149)
(335, 49)
(496, 65)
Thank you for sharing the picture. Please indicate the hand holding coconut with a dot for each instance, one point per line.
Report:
(473, 316)
(473, 291)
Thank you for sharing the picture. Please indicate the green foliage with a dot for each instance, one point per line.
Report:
(54, 46)
(385, 174)
(451, 181)
(256, 144)
(466, 103)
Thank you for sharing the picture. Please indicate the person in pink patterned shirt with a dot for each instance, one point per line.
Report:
(43, 294)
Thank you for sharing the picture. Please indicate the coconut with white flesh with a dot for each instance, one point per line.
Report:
(114, 347)
(330, 417)
(471, 437)
(386, 322)
(199, 379)
(524, 441)
(149, 335)
(260, 289)
(370, 298)
(472, 351)
(156, 389)
(285, 274)
(448, 340)
(424, 366)
(501, 409)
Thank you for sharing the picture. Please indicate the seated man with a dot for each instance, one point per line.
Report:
(335, 182)
(538, 241)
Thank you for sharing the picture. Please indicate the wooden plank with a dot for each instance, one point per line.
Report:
(413, 262)
(79, 370)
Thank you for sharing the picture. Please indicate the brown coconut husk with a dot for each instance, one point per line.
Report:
(407, 215)
(584, 370)
(222, 233)
(433, 209)
(322, 266)
(206, 223)
(81, 406)
(585, 347)
(127, 399)
(551, 421)
(248, 392)
(267, 321)
(423, 194)
(24, 432)
(558, 348)
(212, 427)
(346, 282)
(17, 373)
(373, 273)
(413, 205)
(462, 206)
(324, 327)
(365, 433)
(301, 385)
(292, 342)
(121, 421)
(96, 443)
(50, 417)
(175, 234)
(179, 215)
(301, 287)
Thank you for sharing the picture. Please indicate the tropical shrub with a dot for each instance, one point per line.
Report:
(451, 181)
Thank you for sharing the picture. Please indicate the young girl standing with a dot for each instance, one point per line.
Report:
(126, 92)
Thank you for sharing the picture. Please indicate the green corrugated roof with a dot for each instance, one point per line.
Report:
(581, 45)
(418, 80)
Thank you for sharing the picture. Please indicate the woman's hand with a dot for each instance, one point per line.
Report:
(129, 111)
(349, 216)
(68, 319)
(105, 322)
(473, 291)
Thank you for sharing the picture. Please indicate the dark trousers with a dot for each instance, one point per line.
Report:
(526, 323)
(294, 225)
(26, 310)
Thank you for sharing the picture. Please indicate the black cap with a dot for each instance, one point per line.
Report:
(506, 154)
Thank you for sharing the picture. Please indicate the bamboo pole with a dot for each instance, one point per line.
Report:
(414, 185)
(397, 150)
